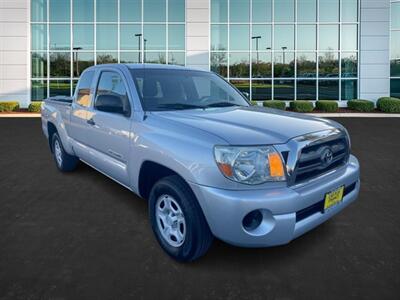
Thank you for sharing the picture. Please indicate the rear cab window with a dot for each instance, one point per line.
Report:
(83, 89)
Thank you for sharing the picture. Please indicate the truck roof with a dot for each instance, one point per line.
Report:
(146, 66)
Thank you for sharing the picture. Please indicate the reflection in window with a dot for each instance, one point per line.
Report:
(239, 66)
(155, 37)
(106, 58)
(349, 89)
(60, 88)
(176, 37)
(349, 10)
(219, 11)
(130, 10)
(106, 10)
(328, 64)
(261, 65)
(329, 10)
(395, 88)
(284, 37)
(83, 37)
(59, 37)
(395, 15)
(155, 57)
(38, 90)
(306, 10)
(306, 90)
(284, 64)
(239, 11)
(154, 10)
(306, 64)
(328, 89)
(83, 95)
(328, 37)
(107, 37)
(241, 85)
(38, 10)
(219, 63)
(129, 57)
(60, 64)
(349, 64)
(176, 10)
(306, 37)
(39, 64)
(349, 37)
(239, 37)
(128, 40)
(59, 10)
(262, 11)
(284, 89)
(261, 90)
(176, 58)
(284, 11)
(39, 37)
(261, 37)
(395, 54)
(83, 10)
(219, 37)
(81, 61)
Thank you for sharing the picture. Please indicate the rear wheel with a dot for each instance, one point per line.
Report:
(177, 220)
(64, 161)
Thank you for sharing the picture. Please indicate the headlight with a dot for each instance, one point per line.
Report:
(250, 165)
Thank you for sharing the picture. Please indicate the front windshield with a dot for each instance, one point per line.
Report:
(163, 89)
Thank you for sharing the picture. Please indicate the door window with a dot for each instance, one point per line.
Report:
(112, 84)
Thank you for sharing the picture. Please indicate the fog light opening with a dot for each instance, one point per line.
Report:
(252, 220)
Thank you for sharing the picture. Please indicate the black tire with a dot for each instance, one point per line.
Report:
(68, 162)
(198, 238)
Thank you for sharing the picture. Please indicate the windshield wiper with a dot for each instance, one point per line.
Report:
(222, 104)
(180, 106)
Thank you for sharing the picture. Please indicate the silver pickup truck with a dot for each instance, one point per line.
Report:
(209, 163)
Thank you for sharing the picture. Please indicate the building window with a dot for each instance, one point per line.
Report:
(68, 36)
(395, 49)
(287, 49)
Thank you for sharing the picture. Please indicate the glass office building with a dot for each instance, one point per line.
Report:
(272, 49)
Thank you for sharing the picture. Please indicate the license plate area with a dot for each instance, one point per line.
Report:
(334, 197)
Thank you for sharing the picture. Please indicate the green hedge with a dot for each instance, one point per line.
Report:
(361, 105)
(9, 106)
(301, 106)
(389, 104)
(35, 107)
(254, 103)
(327, 105)
(275, 104)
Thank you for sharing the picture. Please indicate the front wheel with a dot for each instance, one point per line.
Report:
(64, 161)
(177, 220)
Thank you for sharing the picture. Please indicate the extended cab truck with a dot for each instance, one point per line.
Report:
(209, 163)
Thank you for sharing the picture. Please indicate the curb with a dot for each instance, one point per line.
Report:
(21, 115)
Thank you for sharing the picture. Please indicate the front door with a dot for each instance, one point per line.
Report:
(108, 135)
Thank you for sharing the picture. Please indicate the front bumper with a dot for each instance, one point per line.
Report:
(225, 209)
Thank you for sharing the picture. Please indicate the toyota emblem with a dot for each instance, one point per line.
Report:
(326, 156)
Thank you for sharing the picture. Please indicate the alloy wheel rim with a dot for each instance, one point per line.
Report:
(57, 152)
(170, 220)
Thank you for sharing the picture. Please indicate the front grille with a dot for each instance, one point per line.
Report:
(311, 161)
(319, 206)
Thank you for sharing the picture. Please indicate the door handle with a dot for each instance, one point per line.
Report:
(91, 122)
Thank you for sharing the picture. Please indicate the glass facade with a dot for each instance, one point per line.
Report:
(68, 36)
(287, 49)
(395, 49)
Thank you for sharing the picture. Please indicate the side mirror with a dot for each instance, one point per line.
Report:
(111, 103)
(246, 94)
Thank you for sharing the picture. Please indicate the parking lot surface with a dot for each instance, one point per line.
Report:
(83, 236)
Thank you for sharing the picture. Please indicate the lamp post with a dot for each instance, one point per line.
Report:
(76, 59)
(256, 38)
(139, 36)
(144, 49)
(283, 52)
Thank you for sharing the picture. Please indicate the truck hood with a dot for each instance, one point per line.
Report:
(248, 125)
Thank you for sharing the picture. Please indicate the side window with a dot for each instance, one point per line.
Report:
(111, 94)
(83, 89)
